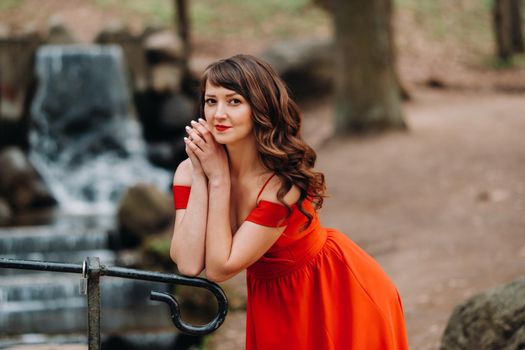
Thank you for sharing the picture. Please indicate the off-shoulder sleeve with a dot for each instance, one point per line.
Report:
(181, 194)
(269, 214)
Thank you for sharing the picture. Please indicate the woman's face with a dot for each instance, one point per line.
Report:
(228, 114)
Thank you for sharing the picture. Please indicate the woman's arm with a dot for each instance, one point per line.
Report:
(187, 244)
(228, 254)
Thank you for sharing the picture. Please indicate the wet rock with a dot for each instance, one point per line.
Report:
(20, 184)
(305, 65)
(166, 59)
(58, 32)
(143, 210)
(494, 319)
(164, 45)
(16, 79)
(132, 47)
(163, 118)
(6, 213)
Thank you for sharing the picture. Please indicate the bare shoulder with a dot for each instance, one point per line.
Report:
(271, 189)
(183, 173)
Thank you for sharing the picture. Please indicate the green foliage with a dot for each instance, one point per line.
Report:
(7, 4)
(466, 22)
(516, 61)
(233, 18)
(159, 247)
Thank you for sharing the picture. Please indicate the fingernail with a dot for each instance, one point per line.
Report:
(193, 122)
(185, 139)
(188, 128)
(201, 120)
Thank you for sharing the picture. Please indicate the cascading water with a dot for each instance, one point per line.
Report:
(89, 149)
(84, 141)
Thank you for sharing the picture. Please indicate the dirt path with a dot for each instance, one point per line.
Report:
(440, 207)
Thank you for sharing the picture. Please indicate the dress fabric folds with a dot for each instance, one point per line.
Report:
(315, 289)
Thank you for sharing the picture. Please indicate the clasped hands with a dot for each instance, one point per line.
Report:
(206, 155)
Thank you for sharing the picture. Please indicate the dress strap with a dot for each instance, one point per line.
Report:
(263, 187)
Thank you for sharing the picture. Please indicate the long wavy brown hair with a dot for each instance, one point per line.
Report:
(276, 125)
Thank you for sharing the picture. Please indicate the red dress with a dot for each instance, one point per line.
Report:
(316, 289)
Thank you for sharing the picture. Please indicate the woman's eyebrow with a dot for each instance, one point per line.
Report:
(227, 95)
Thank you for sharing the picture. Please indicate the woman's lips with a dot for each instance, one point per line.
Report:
(222, 127)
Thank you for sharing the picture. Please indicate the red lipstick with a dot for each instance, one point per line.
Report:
(222, 127)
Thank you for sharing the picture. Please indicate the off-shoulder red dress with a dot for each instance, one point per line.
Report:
(316, 289)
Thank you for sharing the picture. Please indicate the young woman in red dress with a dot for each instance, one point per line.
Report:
(246, 198)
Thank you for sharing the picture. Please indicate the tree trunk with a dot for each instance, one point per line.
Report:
(367, 90)
(516, 26)
(182, 23)
(502, 28)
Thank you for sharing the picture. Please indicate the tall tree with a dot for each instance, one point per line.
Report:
(508, 28)
(182, 23)
(367, 90)
(516, 26)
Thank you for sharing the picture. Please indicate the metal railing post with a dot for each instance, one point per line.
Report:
(93, 301)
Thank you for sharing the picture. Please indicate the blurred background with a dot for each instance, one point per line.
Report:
(415, 108)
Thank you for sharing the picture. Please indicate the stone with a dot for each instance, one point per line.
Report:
(305, 65)
(164, 45)
(58, 32)
(143, 210)
(20, 184)
(132, 47)
(494, 319)
(17, 52)
(6, 214)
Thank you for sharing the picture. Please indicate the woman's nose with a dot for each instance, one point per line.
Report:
(220, 111)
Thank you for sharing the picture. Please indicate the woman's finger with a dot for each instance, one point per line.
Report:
(194, 137)
(204, 123)
(203, 131)
(193, 147)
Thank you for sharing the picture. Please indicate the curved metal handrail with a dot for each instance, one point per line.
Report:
(115, 271)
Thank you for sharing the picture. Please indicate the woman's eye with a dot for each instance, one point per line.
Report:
(235, 101)
(209, 101)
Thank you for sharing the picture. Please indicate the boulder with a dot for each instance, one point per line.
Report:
(5, 212)
(143, 210)
(134, 55)
(494, 319)
(17, 77)
(305, 65)
(20, 184)
(58, 32)
(164, 45)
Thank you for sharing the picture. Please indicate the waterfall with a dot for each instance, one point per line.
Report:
(84, 140)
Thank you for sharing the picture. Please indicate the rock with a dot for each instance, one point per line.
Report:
(17, 52)
(132, 47)
(20, 184)
(163, 45)
(58, 32)
(143, 210)
(494, 319)
(166, 77)
(5, 212)
(164, 116)
(305, 65)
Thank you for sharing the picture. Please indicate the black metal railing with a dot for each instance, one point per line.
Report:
(91, 270)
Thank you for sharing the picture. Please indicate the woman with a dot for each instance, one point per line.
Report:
(246, 198)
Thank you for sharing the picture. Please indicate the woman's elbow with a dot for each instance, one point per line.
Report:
(217, 276)
(190, 269)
